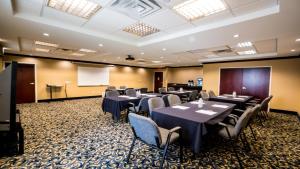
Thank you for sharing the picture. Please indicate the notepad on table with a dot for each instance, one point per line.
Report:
(222, 96)
(236, 98)
(124, 96)
(132, 97)
(220, 106)
(149, 95)
(207, 112)
(180, 107)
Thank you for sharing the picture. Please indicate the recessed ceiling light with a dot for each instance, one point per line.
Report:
(41, 50)
(82, 8)
(140, 29)
(86, 50)
(247, 52)
(46, 44)
(46, 34)
(298, 40)
(77, 54)
(194, 9)
(293, 50)
(245, 44)
(142, 53)
(156, 61)
(164, 49)
(236, 35)
(101, 45)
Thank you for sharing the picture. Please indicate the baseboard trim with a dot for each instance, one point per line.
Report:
(68, 98)
(283, 111)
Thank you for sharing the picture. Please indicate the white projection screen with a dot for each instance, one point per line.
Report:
(92, 76)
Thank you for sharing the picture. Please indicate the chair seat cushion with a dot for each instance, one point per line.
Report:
(164, 135)
(232, 132)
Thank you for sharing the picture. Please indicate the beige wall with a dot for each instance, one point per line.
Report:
(182, 75)
(58, 72)
(1, 63)
(285, 80)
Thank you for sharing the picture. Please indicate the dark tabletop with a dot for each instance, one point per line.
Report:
(191, 122)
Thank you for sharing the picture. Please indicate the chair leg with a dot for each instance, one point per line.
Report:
(236, 154)
(130, 150)
(248, 144)
(253, 134)
(164, 156)
(127, 112)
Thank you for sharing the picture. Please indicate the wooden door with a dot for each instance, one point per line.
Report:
(158, 80)
(231, 80)
(256, 82)
(246, 81)
(25, 92)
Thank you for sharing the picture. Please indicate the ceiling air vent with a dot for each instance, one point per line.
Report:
(136, 8)
(130, 58)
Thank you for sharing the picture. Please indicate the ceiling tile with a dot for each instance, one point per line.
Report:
(253, 7)
(108, 21)
(164, 19)
(237, 3)
(31, 7)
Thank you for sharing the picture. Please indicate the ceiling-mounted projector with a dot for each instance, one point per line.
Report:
(130, 58)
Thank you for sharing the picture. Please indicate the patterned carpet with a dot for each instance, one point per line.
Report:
(76, 134)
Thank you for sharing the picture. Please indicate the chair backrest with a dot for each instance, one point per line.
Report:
(204, 95)
(211, 93)
(112, 93)
(265, 103)
(193, 95)
(174, 100)
(123, 87)
(143, 105)
(145, 129)
(165, 99)
(130, 92)
(171, 89)
(161, 90)
(255, 111)
(155, 102)
(144, 90)
(111, 87)
(242, 121)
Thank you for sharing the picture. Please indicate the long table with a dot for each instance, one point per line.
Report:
(239, 100)
(178, 93)
(116, 105)
(191, 121)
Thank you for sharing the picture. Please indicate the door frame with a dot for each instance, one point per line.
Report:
(35, 75)
(237, 67)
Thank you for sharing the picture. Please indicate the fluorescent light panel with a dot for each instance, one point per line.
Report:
(81, 8)
(41, 50)
(247, 52)
(245, 44)
(86, 50)
(141, 29)
(77, 54)
(194, 9)
(45, 44)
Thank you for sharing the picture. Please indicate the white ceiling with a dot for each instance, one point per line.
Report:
(273, 26)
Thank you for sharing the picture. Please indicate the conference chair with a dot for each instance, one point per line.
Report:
(174, 100)
(141, 108)
(204, 95)
(265, 106)
(130, 92)
(211, 93)
(147, 131)
(165, 99)
(154, 103)
(162, 90)
(232, 133)
(111, 87)
(112, 93)
(144, 90)
(123, 87)
(192, 96)
(171, 89)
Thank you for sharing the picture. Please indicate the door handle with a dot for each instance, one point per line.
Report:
(31, 83)
(244, 88)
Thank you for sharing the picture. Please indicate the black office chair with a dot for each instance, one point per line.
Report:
(141, 108)
(166, 100)
(130, 92)
(162, 90)
(144, 90)
(112, 93)
(171, 89)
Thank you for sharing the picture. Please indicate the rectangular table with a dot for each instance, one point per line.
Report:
(179, 93)
(116, 105)
(191, 122)
(240, 101)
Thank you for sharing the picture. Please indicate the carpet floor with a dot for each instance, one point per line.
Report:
(76, 134)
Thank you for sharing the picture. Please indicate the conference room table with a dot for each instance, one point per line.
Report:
(117, 104)
(239, 100)
(192, 119)
(178, 93)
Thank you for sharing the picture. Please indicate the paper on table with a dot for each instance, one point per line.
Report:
(222, 96)
(196, 102)
(236, 98)
(220, 106)
(243, 96)
(180, 107)
(124, 96)
(132, 97)
(149, 95)
(207, 112)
